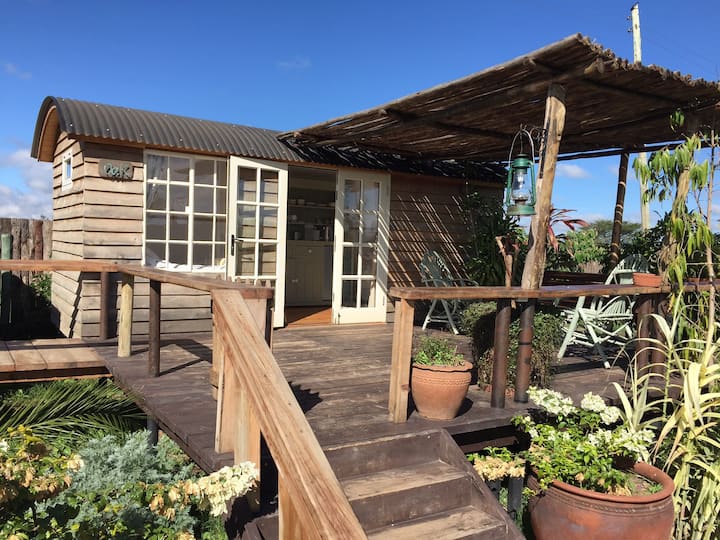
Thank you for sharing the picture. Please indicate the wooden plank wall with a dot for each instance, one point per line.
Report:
(426, 213)
(31, 239)
(102, 219)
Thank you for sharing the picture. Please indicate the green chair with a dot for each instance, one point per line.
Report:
(434, 272)
(600, 320)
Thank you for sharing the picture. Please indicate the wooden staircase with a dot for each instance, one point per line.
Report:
(410, 487)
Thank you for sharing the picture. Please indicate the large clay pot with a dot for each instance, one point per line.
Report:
(568, 512)
(438, 391)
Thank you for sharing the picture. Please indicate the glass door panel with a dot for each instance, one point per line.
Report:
(258, 214)
(361, 247)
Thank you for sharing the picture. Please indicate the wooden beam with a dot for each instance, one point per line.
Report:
(619, 208)
(500, 354)
(154, 329)
(104, 305)
(524, 353)
(553, 125)
(400, 368)
(126, 315)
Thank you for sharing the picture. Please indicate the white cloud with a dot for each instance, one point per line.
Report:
(298, 63)
(572, 171)
(13, 71)
(26, 190)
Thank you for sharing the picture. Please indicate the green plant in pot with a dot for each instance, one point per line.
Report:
(440, 378)
(589, 471)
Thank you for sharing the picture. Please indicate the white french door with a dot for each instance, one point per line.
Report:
(257, 223)
(360, 261)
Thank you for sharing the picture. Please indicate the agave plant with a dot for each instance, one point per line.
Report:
(71, 410)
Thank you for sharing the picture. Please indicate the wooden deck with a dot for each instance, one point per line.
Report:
(48, 359)
(339, 375)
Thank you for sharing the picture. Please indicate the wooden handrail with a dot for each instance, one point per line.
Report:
(311, 501)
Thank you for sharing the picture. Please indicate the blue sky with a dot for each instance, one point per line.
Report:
(289, 64)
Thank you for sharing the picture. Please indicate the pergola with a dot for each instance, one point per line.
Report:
(588, 102)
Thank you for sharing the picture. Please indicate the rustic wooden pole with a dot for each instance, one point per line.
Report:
(619, 209)
(104, 305)
(153, 431)
(499, 374)
(400, 368)
(524, 355)
(289, 521)
(553, 128)
(5, 282)
(126, 314)
(154, 329)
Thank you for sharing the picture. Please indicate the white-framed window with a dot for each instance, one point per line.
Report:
(67, 171)
(185, 212)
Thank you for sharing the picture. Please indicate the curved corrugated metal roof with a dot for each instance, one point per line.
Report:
(159, 130)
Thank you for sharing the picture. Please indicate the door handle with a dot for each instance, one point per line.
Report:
(232, 244)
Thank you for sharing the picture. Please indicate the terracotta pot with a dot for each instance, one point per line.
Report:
(569, 512)
(646, 280)
(438, 391)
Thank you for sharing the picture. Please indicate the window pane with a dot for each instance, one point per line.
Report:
(179, 169)
(268, 258)
(349, 293)
(370, 228)
(371, 196)
(157, 167)
(352, 194)
(268, 223)
(369, 261)
(203, 200)
(245, 221)
(155, 226)
(202, 254)
(367, 293)
(204, 171)
(220, 201)
(220, 229)
(247, 184)
(156, 197)
(352, 228)
(221, 173)
(220, 254)
(154, 253)
(203, 228)
(178, 253)
(179, 197)
(178, 227)
(269, 186)
(350, 261)
(245, 259)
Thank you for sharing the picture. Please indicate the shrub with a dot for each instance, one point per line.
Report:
(478, 321)
(435, 351)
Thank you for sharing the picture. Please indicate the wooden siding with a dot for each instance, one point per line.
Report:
(426, 213)
(102, 219)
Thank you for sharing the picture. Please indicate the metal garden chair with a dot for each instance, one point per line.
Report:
(435, 273)
(599, 320)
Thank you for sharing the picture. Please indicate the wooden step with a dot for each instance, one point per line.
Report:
(467, 522)
(405, 493)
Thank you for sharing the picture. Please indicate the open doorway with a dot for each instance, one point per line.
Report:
(310, 223)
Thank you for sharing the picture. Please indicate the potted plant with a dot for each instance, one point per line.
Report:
(588, 472)
(440, 378)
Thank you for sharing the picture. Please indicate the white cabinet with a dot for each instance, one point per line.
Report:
(308, 273)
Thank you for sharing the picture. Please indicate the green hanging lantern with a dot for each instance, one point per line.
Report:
(520, 188)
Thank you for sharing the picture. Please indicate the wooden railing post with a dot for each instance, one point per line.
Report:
(401, 352)
(126, 314)
(104, 305)
(154, 329)
(643, 308)
(501, 341)
(289, 521)
(524, 354)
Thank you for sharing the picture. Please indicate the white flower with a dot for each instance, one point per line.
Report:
(610, 415)
(553, 402)
(4, 445)
(592, 402)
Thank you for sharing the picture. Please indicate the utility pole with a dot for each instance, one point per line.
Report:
(637, 58)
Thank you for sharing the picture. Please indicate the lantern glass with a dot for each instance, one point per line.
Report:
(520, 192)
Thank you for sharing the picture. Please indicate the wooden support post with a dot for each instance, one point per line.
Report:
(401, 353)
(104, 305)
(643, 308)
(153, 431)
(524, 354)
(6, 282)
(154, 329)
(247, 442)
(289, 521)
(126, 314)
(501, 342)
(658, 358)
(553, 128)
(619, 208)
